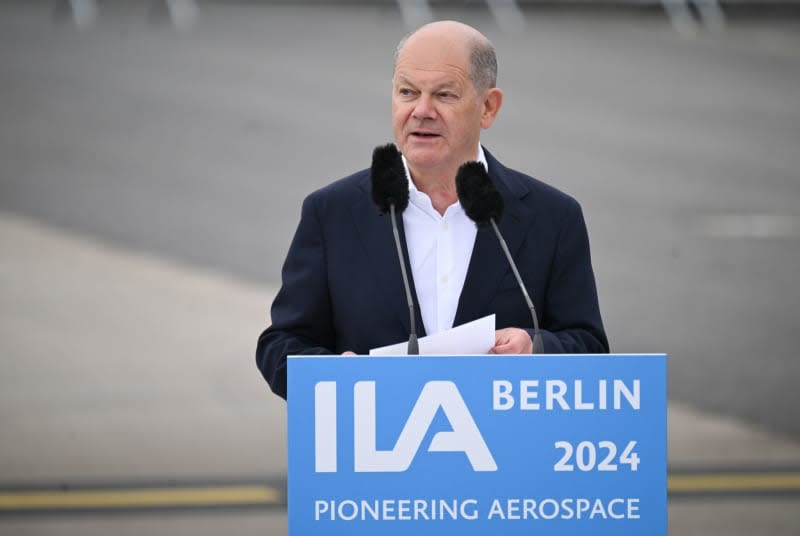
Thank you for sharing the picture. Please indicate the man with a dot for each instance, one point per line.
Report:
(342, 289)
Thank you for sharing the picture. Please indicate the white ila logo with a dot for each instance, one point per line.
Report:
(464, 436)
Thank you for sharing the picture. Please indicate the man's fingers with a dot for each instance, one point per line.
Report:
(512, 341)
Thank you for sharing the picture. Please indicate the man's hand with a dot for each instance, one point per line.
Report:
(512, 341)
(348, 352)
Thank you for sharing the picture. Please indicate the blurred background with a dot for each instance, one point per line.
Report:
(153, 158)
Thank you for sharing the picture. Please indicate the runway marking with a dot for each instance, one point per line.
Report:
(55, 499)
(750, 225)
(140, 498)
(764, 482)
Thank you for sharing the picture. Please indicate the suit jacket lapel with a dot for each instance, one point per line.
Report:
(375, 232)
(488, 264)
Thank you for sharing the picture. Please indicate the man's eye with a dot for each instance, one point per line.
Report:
(405, 92)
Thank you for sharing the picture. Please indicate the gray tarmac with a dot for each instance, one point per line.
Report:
(151, 180)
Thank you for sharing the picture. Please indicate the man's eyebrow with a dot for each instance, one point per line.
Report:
(449, 84)
(446, 85)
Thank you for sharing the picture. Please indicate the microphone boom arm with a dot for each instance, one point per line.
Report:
(538, 346)
(413, 345)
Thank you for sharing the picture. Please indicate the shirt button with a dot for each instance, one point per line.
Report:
(444, 226)
(443, 279)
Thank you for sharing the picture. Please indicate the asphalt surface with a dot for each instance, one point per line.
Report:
(190, 151)
(200, 145)
(127, 407)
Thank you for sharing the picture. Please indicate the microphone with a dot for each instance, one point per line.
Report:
(390, 194)
(484, 205)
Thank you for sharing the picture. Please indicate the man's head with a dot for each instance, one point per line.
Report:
(482, 57)
(443, 94)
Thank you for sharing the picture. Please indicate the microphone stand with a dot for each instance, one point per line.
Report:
(538, 346)
(413, 345)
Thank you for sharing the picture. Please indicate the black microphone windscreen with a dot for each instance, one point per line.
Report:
(389, 181)
(477, 194)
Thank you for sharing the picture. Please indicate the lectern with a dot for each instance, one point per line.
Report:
(477, 445)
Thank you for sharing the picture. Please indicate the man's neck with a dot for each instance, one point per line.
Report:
(439, 183)
(439, 186)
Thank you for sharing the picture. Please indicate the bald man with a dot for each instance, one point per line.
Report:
(342, 290)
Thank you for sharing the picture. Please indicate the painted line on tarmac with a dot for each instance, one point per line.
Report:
(140, 498)
(766, 482)
(116, 498)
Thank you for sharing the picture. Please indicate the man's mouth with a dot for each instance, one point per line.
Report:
(424, 135)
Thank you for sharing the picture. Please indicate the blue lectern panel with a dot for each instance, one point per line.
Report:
(477, 445)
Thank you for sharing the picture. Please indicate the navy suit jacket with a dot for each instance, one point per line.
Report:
(342, 287)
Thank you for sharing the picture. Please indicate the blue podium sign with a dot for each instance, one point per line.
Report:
(477, 445)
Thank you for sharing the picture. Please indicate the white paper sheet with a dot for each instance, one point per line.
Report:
(472, 338)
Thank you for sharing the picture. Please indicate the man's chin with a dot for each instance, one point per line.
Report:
(423, 157)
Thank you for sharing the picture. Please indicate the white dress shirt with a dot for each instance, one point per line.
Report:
(439, 250)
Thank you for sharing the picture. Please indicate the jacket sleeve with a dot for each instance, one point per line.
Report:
(571, 321)
(301, 312)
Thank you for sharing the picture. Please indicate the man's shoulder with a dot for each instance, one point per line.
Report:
(530, 189)
(342, 191)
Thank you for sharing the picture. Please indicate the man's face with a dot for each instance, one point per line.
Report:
(436, 113)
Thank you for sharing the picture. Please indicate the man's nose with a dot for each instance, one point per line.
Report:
(425, 108)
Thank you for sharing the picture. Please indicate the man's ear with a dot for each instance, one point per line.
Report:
(492, 101)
